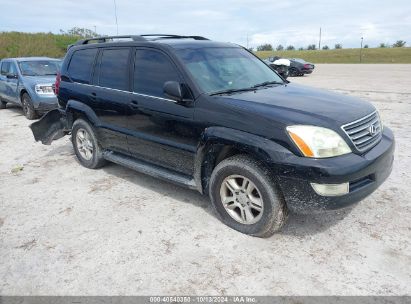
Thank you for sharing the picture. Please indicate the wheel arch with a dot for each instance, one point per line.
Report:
(76, 110)
(22, 92)
(219, 143)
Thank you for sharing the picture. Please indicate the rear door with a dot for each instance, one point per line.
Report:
(112, 95)
(161, 129)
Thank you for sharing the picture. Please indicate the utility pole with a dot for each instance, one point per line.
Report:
(247, 41)
(115, 13)
(361, 49)
(95, 29)
(319, 41)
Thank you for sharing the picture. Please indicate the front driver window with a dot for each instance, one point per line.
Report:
(151, 70)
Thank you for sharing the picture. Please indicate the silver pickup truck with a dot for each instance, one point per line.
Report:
(27, 82)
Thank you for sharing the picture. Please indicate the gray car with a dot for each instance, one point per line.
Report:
(28, 82)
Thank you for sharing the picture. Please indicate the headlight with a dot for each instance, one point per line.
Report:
(44, 89)
(318, 142)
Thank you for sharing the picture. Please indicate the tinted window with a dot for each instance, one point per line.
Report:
(151, 70)
(114, 69)
(5, 68)
(81, 64)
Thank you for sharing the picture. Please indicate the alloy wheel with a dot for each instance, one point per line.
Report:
(84, 144)
(241, 199)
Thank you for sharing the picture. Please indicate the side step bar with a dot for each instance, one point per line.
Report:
(149, 169)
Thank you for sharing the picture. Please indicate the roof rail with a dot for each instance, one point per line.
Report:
(168, 36)
(146, 37)
(105, 38)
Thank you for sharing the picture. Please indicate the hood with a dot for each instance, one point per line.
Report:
(282, 61)
(292, 103)
(33, 80)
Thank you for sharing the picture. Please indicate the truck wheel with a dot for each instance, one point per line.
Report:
(3, 104)
(85, 144)
(28, 108)
(246, 198)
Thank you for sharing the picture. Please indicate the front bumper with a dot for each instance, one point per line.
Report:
(365, 173)
(46, 107)
(43, 104)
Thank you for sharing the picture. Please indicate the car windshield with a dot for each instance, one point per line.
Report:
(226, 69)
(39, 68)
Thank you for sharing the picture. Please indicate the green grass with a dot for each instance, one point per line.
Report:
(370, 55)
(17, 44)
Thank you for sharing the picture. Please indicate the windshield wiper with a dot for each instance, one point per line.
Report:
(266, 83)
(229, 91)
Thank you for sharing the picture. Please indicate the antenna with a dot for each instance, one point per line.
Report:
(115, 13)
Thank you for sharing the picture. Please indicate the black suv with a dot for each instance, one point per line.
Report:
(213, 117)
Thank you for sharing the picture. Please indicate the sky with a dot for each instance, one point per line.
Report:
(246, 22)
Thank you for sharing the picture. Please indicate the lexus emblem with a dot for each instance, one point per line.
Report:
(372, 130)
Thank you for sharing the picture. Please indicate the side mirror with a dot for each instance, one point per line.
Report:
(175, 91)
(11, 76)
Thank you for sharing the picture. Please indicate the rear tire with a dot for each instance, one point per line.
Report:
(86, 146)
(28, 108)
(293, 72)
(252, 202)
(3, 104)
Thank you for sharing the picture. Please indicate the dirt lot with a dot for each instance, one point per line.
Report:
(67, 230)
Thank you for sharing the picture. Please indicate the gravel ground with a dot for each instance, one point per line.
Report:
(67, 230)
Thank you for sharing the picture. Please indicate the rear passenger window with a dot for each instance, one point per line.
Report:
(151, 70)
(5, 66)
(113, 72)
(81, 65)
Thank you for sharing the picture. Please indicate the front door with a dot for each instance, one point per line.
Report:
(160, 128)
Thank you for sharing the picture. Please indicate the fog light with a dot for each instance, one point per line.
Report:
(331, 189)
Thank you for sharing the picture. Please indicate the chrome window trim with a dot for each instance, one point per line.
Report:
(129, 92)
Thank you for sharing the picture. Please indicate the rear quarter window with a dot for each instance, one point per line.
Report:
(81, 65)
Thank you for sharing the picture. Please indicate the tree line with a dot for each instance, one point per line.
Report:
(280, 47)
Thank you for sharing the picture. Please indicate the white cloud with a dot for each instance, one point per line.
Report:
(263, 21)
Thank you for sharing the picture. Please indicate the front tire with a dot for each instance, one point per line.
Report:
(28, 108)
(86, 146)
(246, 198)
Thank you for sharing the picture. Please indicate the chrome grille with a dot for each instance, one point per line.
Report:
(364, 133)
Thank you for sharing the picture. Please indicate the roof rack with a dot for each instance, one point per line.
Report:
(168, 36)
(105, 38)
(151, 37)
